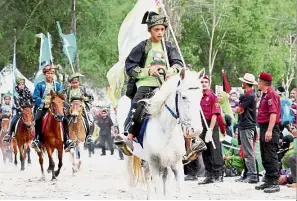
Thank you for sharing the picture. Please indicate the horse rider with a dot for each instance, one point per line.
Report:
(41, 98)
(6, 107)
(144, 65)
(77, 91)
(22, 96)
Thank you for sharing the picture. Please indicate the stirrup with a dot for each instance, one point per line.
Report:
(35, 146)
(125, 148)
(6, 138)
(70, 146)
(188, 158)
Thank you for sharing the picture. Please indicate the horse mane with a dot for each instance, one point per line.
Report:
(155, 104)
(57, 93)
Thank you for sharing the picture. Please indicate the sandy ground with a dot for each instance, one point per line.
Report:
(104, 177)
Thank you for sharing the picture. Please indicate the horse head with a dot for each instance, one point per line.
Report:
(5, 123)
(57, 105)
(76, 109)
(189, 95)
(27, 115)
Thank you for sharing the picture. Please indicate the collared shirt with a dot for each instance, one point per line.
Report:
(47, 96)
(269, 104)
(209, 104)
(247, 106)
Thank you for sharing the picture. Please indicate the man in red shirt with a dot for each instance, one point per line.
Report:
(212, 158)
(269, 116)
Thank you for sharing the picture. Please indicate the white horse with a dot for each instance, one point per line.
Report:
(176, 104)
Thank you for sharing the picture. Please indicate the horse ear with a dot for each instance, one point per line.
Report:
(52, 93)
(182, 73)
(201, 73)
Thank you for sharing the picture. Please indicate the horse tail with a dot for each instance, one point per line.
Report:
(137, 169)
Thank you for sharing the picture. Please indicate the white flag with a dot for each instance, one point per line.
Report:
(132, 32)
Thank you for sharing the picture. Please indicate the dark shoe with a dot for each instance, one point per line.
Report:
(250, 180)
(263, 186)
(36, 145)
(7, 138)
(191, 178)
(207, 180)
(69, 145)
(241, 179)
(264, 179)
(111, 152)
(103, 154)
(219, 176)
(272, 189)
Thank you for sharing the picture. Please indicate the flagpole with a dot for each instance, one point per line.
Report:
(50, 47)
(14, 63)
(40, 52)
(172, 32)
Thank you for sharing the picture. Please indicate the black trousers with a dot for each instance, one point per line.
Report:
(212, 158)
(269, 151)
(106, 139)
(132, 124)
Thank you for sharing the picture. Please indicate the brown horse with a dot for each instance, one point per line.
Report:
(23, 133)
(77, 132)
(5, 147)
(52, 137)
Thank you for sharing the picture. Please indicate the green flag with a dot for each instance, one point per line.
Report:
(45, 56)
(69, 44)
(45, 49)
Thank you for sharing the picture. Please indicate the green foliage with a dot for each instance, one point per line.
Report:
(255, 34)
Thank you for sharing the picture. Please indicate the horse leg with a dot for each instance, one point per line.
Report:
(148, 179)
(60, 164)
(21, 150)
(178, 172)
(41, 165)
(79, 148)
(156, 175)
(73, 160)
(51, 167)
(29, 154)
(165, 178)
(15, 151)
(24, 154)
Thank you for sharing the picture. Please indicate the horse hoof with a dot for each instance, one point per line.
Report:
(74, 170)
(22, 169)
(29, 162)
(57, 173)
(54, 179)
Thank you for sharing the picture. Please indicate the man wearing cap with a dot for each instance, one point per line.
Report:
(41, 98)
(22, 96)
(79, 92)
(212, 158)
(247, 126)
(268, 119)
(6, 107)
(144, 65)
